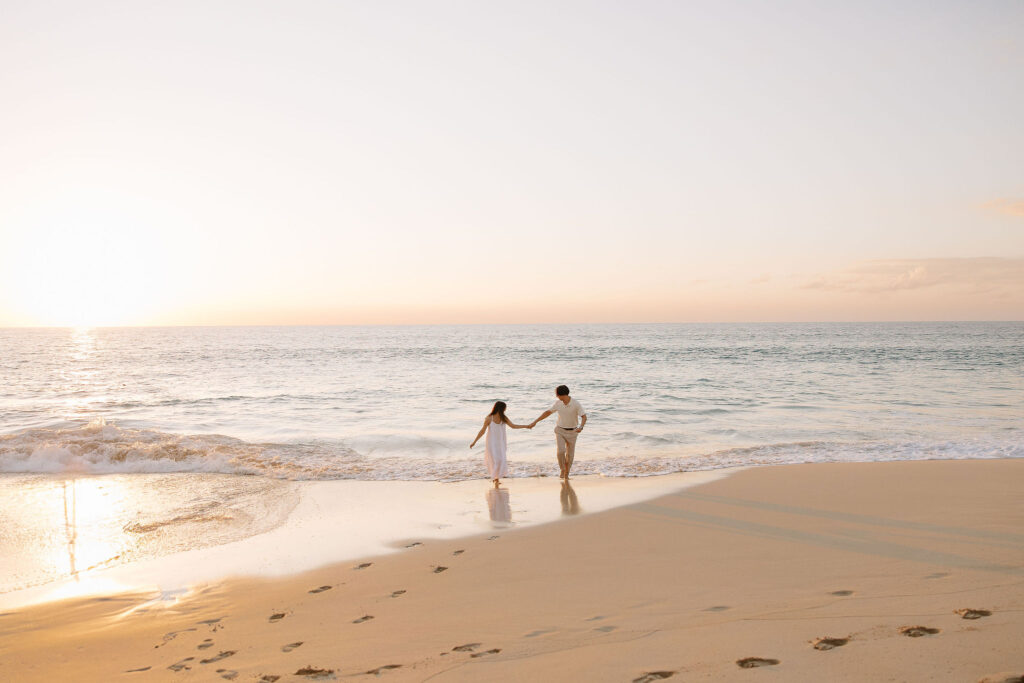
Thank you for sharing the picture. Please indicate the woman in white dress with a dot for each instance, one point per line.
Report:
(494, 446)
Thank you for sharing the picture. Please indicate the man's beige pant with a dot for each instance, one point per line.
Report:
(565, 439)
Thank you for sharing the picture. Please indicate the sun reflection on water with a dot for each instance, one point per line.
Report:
(81, 387)
(65, 528)
(93, 534)
(68, 529)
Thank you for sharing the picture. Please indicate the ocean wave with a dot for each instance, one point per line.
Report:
(102, 448)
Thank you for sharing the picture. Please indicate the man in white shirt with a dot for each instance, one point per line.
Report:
(570, 414)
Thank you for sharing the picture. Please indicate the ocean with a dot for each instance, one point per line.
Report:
(386, 403)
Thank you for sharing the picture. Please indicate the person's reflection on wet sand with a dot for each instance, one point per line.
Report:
(570, 504)
(499, 506)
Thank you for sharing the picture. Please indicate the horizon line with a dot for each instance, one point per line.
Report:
(515, 324)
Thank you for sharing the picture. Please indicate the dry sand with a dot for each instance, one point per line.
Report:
(763, 564)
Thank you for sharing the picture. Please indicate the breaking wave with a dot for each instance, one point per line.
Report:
(103, 448)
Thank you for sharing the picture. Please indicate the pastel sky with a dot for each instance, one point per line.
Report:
(256, 162)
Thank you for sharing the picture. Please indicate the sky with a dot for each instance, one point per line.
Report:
(249, 162)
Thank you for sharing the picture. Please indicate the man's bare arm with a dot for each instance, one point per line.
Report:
(543, 416)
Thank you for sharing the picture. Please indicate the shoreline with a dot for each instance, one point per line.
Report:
(334, 521)
(761, 564)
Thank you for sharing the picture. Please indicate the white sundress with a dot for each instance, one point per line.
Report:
(494, 450)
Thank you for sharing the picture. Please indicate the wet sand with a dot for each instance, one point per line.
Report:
(903, 571)
(96, 547)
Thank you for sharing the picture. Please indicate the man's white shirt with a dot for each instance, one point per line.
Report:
(568, 413)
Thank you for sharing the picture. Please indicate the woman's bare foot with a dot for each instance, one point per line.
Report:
(496, 483)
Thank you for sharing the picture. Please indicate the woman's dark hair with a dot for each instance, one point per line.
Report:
(499, 410)
(562, 390)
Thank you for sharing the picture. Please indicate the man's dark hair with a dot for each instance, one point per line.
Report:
(562, 390)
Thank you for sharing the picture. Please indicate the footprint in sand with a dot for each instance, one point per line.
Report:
(381, 669)
(395, 594)
(413, 544)
(205, 644)
(219, 656)
(486, 652)
(268, 678)
(291, 646)
(276, 617)
(363, 618)
(754, 662)
(364, 565)
(310, 672)
(228, 674)
(178, 666)
(458, 552)
(606, 629)
(842, 594)
(438, 570)
(321, 589)
(829, 643)
(716, 608)
(135, 671)
(210, 622)
(597, 618)
(649, 676)
(541, 632)
(918, 631)
(468, 647)
(168, 637)
(973, 613)
(493, 538)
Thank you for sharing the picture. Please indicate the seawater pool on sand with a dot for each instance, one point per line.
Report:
(57, 527)
(100, 534)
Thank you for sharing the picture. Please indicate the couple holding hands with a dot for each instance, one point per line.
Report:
(571, 420)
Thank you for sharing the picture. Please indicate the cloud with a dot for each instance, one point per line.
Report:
(1008, 207)
(986, 274)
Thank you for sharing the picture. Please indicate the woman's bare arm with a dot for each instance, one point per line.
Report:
(482, 430)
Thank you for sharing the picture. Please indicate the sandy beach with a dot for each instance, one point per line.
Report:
(898, 571)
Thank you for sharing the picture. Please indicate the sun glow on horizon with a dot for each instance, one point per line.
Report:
(87, 264)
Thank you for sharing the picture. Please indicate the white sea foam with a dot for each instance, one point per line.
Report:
(103, 448)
